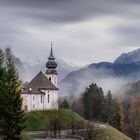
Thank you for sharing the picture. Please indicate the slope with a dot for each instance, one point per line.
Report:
(37, 120)
(111, 133)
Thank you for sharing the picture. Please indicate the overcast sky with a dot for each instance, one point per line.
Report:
(82, 31)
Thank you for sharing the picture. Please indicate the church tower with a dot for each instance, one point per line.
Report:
(51, 71)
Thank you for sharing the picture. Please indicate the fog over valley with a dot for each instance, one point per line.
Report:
(70, 69)
(73, 79)
(89, 34)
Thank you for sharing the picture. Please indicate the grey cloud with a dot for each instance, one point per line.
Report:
(68, 10)
(15, 15)
(129, 35)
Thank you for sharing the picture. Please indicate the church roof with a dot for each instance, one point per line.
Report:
(40, 81)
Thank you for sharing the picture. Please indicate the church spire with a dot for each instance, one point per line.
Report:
(51, 57)
(51, 64)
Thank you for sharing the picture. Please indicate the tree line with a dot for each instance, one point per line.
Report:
(133, 89)
(94, 105)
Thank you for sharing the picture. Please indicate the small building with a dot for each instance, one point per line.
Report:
(41, 93)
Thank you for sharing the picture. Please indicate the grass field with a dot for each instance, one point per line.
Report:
(111, 133)
(37, 120)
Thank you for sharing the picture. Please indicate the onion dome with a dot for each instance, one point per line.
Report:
(51, 64)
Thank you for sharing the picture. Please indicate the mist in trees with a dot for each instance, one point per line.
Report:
(97, 106)
(133, 89)
(121, 113)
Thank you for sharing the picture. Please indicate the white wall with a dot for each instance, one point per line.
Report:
(53, 78)
(52, 102)
(33, 101)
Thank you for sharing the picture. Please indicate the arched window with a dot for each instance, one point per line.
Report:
(41, 98)
(48, 98)
(26, 108)
(49, 78)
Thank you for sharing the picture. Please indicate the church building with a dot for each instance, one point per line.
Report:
(41, 93)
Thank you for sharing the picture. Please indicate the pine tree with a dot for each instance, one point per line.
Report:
(87, 102)
(2, 100)
(11, 93)
(1, 58)
(93, 102)
(118, 116)
(103, 115)
(64, 104)
(109, 106)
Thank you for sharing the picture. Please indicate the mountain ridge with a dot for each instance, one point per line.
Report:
(103, 73)
(128, 58)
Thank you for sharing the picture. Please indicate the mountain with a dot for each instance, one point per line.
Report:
(31, 69)
(128, 58)
(73, 79)
(111, 76)
(64, 68)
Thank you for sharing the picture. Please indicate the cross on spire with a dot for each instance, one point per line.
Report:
(51, 44)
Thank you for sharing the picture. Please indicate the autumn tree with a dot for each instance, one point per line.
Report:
(131, 123)
(134, 118)
(53, 125)
(91, 131)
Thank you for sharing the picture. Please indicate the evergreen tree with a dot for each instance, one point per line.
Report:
(64, 104)
(118, 116)
(107, 109)
(103, 115)
(2, 108)
(11, 94)
(87, 102)
(109, 106)
(93, 102)
(1, 58)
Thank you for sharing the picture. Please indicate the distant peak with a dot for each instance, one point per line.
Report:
(128, 58)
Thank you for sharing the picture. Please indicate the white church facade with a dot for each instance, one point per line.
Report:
(41, 93)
